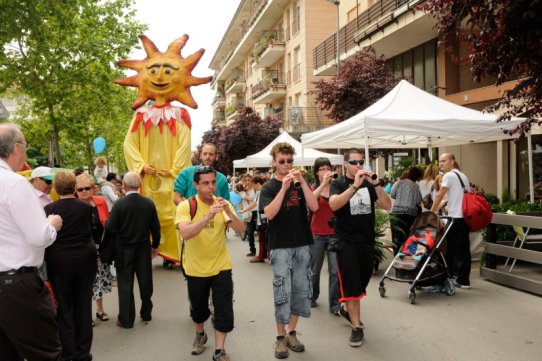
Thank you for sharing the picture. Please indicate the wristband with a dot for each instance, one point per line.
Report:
(354, 188)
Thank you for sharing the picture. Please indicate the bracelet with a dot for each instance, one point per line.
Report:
(354, 188)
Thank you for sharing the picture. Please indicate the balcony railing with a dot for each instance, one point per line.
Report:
(270, 79)
(269, 38)
(326, 51)
(218, 117)
(232, 108)
(299, 120)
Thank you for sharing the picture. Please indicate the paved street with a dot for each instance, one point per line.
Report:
(487, 322)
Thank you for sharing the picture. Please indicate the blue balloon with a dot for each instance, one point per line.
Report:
(99, 145)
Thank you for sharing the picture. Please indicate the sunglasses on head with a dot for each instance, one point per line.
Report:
(47, 181)
(289, 161)
(84, 189)
(356, 162)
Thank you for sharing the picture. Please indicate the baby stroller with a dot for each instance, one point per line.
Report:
(420, 261)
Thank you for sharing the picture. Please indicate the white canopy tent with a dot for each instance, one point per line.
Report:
(304, 156)
(409, 117)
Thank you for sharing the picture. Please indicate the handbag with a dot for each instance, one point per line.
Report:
(335, 244)
(427, 201)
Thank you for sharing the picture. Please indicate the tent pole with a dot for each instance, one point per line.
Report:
(530, 157)
(367, 151)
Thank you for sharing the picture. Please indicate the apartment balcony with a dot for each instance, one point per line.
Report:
(231, 110)
(218, 117)
(219, 101)
(270, 88)
(236, 83)
(378, 26)
(269, 49)
(299, 120)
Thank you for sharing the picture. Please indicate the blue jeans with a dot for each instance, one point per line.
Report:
(292, 282)
(318, 251)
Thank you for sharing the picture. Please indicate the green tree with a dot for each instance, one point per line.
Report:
(60, 56)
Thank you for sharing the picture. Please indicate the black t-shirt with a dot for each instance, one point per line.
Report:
(355, 221)
(74, 250)
(290, 227)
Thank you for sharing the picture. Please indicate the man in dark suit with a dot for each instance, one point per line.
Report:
(132, 221)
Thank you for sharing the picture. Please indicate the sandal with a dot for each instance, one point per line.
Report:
(257, 260)
(102, 316)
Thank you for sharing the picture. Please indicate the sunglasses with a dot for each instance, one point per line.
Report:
(356, 162)
(283, 161)
(84, 189)
(47, 181)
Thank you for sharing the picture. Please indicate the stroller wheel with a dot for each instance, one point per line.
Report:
(382, 291)
(449, 288)
(412, 297)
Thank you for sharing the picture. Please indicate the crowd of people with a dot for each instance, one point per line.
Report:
(56, 256)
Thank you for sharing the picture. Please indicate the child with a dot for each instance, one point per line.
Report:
(100, 172)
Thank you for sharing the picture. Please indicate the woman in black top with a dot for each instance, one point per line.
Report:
(71, 266)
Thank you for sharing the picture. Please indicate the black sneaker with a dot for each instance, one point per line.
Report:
(313, 304)
(342, 312)
(356, 337)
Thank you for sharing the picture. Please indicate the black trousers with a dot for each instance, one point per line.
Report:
(458, 257)
(28, 327)
(136, 260)
(74, 313)
(251, 228)
(222, 294)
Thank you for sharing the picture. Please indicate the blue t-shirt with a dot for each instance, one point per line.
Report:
(184, 184)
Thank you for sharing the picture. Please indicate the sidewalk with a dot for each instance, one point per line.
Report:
(488, 322)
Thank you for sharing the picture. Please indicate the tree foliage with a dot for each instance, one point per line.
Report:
(362, 80)
(245, 136)
(503, 40)
(60, 55)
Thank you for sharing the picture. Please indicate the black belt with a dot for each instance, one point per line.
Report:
(19, 271)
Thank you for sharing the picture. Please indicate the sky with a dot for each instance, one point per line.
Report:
(205, 21)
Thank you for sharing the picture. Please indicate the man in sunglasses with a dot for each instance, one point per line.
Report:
(284, 199)
(206, 262)
(26, 306)
(352, 199)
(42, 181)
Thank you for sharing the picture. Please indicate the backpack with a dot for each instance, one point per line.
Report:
(193, 203)
(477, 212)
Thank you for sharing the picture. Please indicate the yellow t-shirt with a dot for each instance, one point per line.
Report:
(206, 254)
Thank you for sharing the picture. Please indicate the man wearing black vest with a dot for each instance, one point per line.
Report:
(133, 220)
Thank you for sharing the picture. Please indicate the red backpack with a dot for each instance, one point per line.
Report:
(477, 212)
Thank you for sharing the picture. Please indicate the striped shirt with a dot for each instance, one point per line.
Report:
(24, 230)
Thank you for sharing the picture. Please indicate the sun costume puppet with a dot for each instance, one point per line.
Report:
(157, 144)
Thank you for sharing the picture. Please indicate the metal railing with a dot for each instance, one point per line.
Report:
(500, 274)
(232, 108)
(299, 120)
(236, 75)
(326, 51)
(269, 79)
(268, 38)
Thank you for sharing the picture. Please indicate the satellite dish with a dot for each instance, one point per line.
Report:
(295, 115)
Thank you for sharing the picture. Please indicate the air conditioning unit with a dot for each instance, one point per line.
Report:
(295, 116)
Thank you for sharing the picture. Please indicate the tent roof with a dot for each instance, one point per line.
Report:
(304, 157)
(409, 117)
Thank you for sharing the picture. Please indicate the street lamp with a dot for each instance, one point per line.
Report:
(337, 3)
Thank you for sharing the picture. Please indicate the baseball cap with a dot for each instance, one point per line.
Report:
(42, 172)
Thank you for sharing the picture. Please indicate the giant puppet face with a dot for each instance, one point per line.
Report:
(164, 77)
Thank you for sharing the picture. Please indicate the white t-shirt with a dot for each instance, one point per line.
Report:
(455, 192)
(425, 186)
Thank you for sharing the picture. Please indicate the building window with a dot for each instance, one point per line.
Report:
(418, 65)
(523, 187)
(296, 24)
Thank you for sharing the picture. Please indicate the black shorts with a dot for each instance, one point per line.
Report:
(198, 293)
(355, 263)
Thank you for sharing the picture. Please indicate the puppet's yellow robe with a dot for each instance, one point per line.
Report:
(159, 147)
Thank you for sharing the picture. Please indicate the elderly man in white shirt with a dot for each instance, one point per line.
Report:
(42, 181)
(25, 232)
